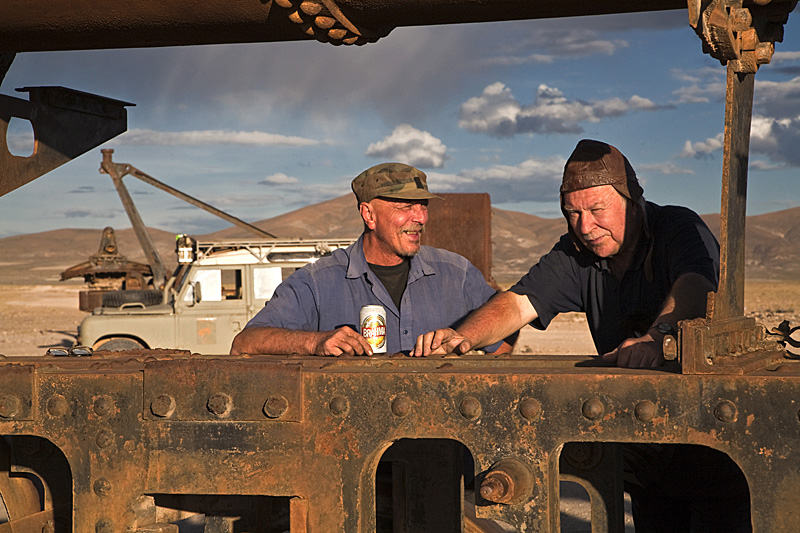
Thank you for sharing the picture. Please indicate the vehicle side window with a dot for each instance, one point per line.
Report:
(265, 281)
(216, 285)
(231, 284)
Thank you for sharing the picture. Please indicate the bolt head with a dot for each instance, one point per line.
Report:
(276, 407)
(9, 406)
(401, 406)
(725, 411)
(470, 408)
(530, 409)
(163, 406)
(645, 410)
(104, 439)
(57, 405)
(220, 404)
(339, 405)
(593, 409)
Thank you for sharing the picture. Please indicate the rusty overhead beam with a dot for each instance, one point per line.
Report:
(26, 25)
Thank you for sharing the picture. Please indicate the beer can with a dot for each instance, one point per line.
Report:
(372, 320)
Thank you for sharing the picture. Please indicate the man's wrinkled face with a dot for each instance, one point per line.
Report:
(598, 216)
(399, 224)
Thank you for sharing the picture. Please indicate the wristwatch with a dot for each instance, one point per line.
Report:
(665, 328)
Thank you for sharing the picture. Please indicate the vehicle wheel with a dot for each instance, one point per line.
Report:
(118, 344)
(118, 298)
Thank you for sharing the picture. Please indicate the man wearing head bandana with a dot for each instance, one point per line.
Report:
(636, 269)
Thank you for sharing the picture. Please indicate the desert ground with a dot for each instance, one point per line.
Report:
(34, 318)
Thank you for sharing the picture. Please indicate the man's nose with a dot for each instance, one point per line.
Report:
(586, 223)
(420, 214)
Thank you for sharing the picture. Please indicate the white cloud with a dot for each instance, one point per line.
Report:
(146, 137)
(702, 149)
(778, 99)
(779, 57)
(778, 139)
(667, 168)
(279, 178)
(531, 180)
(497, 112)
(409, 145)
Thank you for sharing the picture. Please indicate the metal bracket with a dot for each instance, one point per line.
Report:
(66, 123)
(323, 20)
(746, 36)
(730, 346)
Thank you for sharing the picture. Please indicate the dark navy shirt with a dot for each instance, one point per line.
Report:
(442, 289)
(675, 242)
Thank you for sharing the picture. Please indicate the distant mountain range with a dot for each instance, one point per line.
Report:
(518, 239)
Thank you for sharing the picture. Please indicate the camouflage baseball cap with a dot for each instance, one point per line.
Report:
(391, 180)
(595, 163)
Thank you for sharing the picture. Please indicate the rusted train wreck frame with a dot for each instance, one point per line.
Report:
(111, 434)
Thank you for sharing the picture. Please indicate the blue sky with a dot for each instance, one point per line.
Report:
(262, 129)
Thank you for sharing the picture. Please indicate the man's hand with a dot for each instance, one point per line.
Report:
(441, 342)
(640, 352)
(343, 340)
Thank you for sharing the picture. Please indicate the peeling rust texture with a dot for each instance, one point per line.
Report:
(313, 429)
(472, 236)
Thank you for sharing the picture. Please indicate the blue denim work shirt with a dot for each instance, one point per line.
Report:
(442, 289)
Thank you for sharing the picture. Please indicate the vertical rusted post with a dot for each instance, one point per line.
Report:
(738, 110)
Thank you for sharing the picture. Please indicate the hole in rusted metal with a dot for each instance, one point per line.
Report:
(197, 513)
(422, 482)
(20, 138)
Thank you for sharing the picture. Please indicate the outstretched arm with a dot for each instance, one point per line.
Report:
(499, 318)
(686, 300)
(279, 341)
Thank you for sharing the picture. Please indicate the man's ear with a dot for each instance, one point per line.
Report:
(367, 214)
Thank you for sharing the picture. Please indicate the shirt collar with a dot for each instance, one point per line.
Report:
(357, 263)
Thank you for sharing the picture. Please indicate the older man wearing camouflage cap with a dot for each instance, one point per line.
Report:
(635, 269)
(316, 310)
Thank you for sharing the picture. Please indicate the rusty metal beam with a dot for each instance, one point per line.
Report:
(738, 110)
(130, 427)
(27, 25)
(66, 123)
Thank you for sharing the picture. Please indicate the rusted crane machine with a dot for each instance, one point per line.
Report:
(138, 442)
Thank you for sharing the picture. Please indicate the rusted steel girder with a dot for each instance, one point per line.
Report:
(111, 436)
(28, 25)
(66, 123)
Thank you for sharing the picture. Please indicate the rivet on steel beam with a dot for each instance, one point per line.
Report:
(530, 409)
(104, 525)
(57, 405)
(339, 405)
(220, 404)
(508, 481)
(102, 487)
(401, 406)
(645, 410)
(470, 408)
(583, 455)
(9, 406)
(163, 406)
(725, 411)
(593, 409)
(276, 407)
(103, 405)
(104, 439)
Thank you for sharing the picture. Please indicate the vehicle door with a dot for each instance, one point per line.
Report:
(211, 309)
